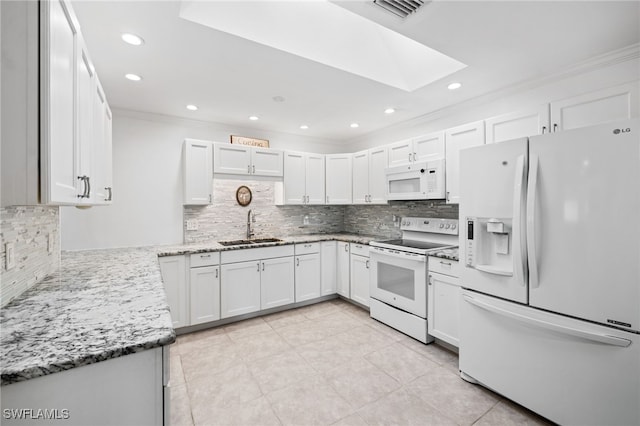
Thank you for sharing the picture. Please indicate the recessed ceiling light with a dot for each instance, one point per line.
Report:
(133, 77)
(389, 111)
(454, 86)
(132, 39)
(354, 125)
(253, 118)
(304, 127)
(192, 107)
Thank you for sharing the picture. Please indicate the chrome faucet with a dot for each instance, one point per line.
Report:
(250, 232)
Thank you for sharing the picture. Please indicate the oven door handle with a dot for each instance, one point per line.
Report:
(375, 251)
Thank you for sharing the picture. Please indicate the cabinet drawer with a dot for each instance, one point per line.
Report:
(360, 249)
(245, 255)
(205, 259)
(307, 248)
(444, 266)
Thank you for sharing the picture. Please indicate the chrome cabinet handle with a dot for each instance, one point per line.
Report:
(297, 261)
(367, 264)
(210, 199)
(414, 157)
(254, 170)
(216, 272)
(108, 188)
(83, 178)
(263, 266)
(258, 266)
(307, 199)
(555, 127)
(303, 199)
(448, 195)
(445, 263)
(544, 129)
(327, 199)
(346, 247)
(205, 256)
(430, 280)
(88, 187)
(409, 157)
(248, 168)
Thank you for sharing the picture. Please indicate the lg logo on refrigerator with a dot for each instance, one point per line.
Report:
(618, 131)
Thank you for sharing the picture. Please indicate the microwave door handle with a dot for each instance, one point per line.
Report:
(519, 249)
(531, 221)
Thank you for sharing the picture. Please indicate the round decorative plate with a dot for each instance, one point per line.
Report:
(243, 195)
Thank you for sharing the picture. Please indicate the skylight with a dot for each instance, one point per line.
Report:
(323, 32)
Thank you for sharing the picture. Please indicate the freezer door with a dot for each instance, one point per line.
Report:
(492, 197)
(583, 223)
(570, 371)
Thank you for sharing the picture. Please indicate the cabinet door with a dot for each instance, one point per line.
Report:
(107, 161)
(400, 153)
(378, 160)
(360, 279)
(266, 162)
(328, 271)
(307, 277)
(239, 288)
(294, 182)
(89, 130)
(603, 106)
(520, 124)
(102, 153)
(59, 35)
(343, 277)
(457, 139)
(338, 178)
(429, 147)
(231, 159)
(204, 285)
(443, 314)
(198, 172)
(314, 178)
(361, 177)
(277, 282)
(174, 280)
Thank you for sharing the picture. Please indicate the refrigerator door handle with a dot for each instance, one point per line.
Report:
(520, 251)
(531, 222)
(597, 337)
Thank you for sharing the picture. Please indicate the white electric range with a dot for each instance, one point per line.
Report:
(399, 271)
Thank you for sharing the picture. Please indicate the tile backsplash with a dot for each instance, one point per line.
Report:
(28, 228)
(225, 219)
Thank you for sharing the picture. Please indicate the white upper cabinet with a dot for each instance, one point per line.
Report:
(338, 178)
(59, 44)
(303, 178)
(247, 160)
(520, 124)
(423, 148)
(198, 172)
(603, 106)
(101, 176)
(368, 176)
(428, 147)
(400, 153)
(457, 139)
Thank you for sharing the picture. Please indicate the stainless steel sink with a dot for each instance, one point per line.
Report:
(246, 242)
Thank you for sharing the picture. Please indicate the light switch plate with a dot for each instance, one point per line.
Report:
(192, 225)
(10, 256)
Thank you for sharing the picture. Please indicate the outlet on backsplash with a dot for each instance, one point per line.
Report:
(192, 225)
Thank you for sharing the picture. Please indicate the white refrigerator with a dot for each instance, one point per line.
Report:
(550, 244)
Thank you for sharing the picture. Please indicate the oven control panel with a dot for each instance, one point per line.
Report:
(429, 224)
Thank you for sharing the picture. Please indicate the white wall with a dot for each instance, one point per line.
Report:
(606, 71)
(147, 181)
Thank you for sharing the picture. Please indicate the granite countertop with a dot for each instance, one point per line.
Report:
(448, 253)
(101, 304)
(295, 239)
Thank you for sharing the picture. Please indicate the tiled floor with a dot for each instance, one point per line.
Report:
(324, 364)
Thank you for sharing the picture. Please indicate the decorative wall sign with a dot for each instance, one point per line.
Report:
(243, 196)
(242, 140)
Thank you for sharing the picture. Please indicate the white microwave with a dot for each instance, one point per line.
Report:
(416, 181)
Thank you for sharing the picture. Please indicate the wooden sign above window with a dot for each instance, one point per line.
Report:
(242, 140)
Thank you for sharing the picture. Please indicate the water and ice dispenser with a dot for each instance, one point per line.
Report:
(488, 245)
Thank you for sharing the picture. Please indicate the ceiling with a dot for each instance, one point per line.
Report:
(230, 78)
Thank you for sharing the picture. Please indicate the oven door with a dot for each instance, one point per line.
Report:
(399, 279)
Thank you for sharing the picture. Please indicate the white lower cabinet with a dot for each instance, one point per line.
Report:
(276, 282)
(328, 270)
(204, 285)
(307, 277)
(240, 288)
(174, 278)
(444, 293)
(342, 265)
(359, 273)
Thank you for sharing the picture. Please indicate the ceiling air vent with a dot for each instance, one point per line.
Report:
(401, 8)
